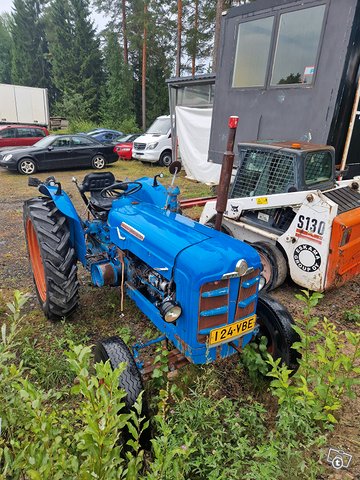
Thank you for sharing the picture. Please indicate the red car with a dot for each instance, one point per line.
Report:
(124, 145)
(21, 135)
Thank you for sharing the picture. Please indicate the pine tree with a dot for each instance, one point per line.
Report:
(30, 64)
(5, 50)
(117, 101)
(199, 34)
(75, 59)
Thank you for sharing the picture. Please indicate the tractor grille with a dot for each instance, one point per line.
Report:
(346, 198)
(139, 146)
(263, 172)
(214, 303)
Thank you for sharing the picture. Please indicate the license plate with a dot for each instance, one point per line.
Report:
(232, 331)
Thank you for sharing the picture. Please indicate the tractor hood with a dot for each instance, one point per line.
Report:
(159, 238)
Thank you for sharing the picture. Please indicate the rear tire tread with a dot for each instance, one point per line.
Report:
(59, 258)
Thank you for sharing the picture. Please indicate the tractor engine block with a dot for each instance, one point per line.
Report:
(149, 280)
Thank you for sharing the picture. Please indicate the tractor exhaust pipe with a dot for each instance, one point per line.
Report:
(226, 172)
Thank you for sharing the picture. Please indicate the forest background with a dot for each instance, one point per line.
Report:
(115, 77)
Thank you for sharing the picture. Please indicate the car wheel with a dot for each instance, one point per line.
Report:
(98, 162)
(26, 166)
(166, 158)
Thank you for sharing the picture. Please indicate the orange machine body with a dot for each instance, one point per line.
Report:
(344, 253)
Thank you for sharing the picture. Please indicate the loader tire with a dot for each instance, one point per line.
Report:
(275, 324)
(275, 269)
(52, 258)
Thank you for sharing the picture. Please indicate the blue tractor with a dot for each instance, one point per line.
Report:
(198, 286)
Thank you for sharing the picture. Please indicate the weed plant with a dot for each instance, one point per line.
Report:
(77, 430)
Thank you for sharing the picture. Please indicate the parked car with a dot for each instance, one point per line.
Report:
(104, 135)
(124, 145)
(155, 145)
(59, 152)
(21, 135)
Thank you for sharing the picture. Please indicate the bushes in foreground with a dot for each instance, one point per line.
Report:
(82, 431)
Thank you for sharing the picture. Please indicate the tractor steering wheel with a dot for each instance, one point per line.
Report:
(120, 189)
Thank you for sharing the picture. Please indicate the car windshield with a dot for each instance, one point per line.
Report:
(45, 142)
(160, 126)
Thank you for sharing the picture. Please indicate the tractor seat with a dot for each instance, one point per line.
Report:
(94, 183)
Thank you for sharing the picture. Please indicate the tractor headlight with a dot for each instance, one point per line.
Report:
(262, 282)
(7, 157)
(241, 267)
(151, 146)
(170, 311)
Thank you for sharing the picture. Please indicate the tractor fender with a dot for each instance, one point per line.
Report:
(66, 207)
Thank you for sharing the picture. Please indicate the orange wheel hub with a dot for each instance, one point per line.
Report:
(36, 260)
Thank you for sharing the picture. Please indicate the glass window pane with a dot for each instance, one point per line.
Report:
(318, 167)
(252, 52)
(24, 132)
(82, 141)
(62, 142)
(8, 133)
(196, 95)
(297, 46)
(39, 133)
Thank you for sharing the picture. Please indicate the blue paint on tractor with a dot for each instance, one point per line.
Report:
(163, 256)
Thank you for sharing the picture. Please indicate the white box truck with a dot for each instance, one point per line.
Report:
(24, 105)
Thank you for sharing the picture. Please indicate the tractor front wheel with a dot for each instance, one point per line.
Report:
(275, 324)
(116, 351)
(52, 258)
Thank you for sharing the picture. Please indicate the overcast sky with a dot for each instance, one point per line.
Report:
(100, 21)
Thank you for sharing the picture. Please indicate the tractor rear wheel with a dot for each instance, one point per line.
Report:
(52, 258)
(275, 268)
(275, 324)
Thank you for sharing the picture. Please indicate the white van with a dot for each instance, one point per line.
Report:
(155, 144)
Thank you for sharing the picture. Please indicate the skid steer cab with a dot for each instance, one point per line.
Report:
(287, 201)
(198, 286)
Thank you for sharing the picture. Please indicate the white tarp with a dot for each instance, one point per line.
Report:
(193, 132)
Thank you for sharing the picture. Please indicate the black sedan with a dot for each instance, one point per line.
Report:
(59, 152)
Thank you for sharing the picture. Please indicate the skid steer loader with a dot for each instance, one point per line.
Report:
(287, 201)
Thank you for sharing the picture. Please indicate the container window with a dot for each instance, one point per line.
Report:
(297, 46)
(318, 167)
(196, 95)
(252, 53)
